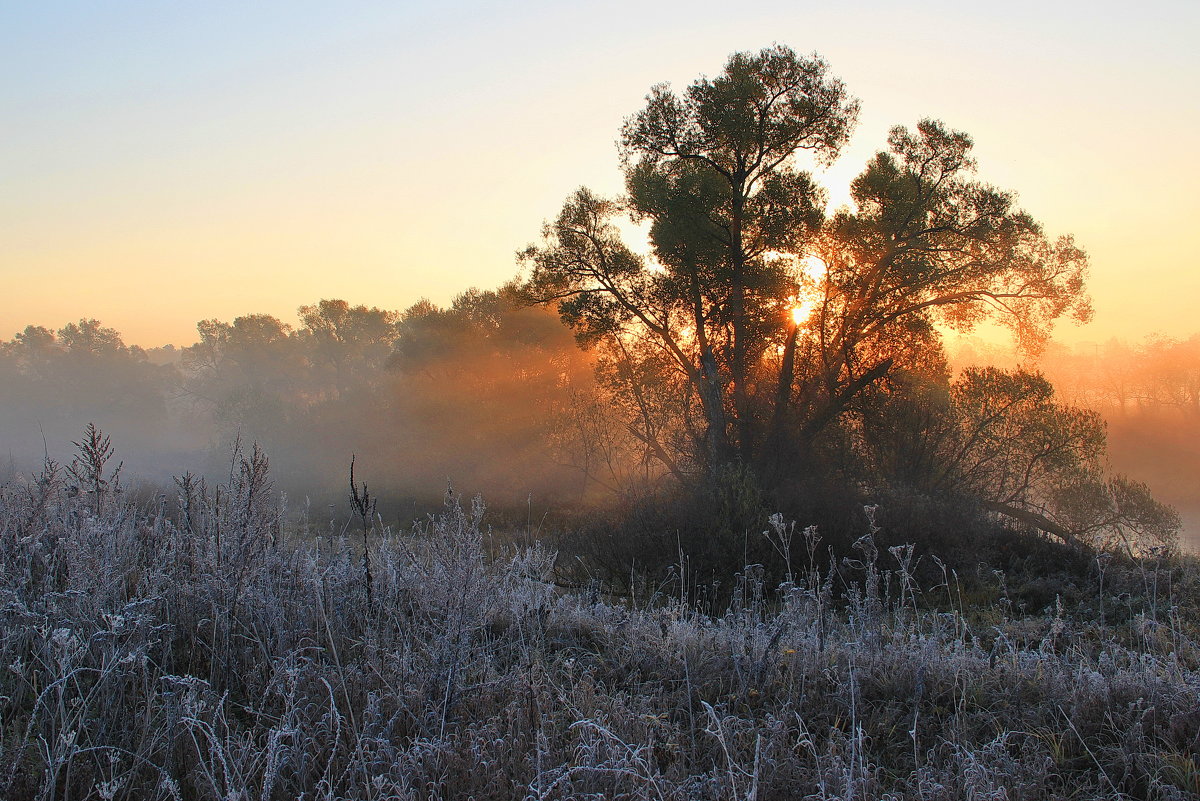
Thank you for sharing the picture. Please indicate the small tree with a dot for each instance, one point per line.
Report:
(1002, 441)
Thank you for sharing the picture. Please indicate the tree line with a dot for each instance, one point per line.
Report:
(766, 353)
(485, 392)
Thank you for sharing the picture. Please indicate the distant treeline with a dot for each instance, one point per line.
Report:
(487, 393)
(1160, 375)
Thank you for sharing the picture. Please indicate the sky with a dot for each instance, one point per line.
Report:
(164, 163)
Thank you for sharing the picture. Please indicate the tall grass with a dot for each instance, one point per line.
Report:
(186, 649)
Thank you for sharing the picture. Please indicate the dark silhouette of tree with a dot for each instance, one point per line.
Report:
(712, 170)
(757, 323)
(761, 339)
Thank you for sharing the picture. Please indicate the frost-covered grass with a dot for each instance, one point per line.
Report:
(186, 650)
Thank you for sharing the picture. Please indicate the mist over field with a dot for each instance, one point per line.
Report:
(773, 464)
(212, 643)
(479, 394)
(486, 395)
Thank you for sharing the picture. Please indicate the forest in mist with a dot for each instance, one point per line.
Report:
(484, 393)
(767, 354)
(489, 394)
(210, 643)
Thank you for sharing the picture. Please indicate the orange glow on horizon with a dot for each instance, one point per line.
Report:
(168, 168)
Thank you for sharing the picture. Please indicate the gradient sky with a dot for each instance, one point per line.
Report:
(162, 163)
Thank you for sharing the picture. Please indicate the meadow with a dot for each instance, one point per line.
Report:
(211, 642)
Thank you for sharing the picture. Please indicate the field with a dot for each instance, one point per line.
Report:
(193, 647)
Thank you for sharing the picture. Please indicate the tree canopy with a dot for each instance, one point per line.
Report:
(758, 320)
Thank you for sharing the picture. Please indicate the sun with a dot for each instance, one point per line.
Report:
(802, 310)
(812, 271)
(813, 268)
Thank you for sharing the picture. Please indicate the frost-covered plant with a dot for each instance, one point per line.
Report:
(191, 651)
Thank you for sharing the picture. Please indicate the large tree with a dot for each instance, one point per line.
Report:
(756, 322)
